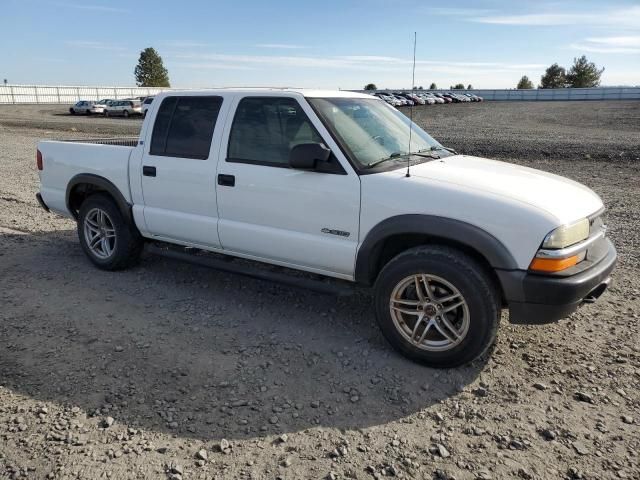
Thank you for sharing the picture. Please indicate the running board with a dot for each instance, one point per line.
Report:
(341, 289)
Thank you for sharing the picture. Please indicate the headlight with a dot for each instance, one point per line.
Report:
(567, 235)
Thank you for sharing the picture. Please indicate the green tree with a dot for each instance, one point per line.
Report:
(554, 77)
(420, 88)
(458, 86)
(433, 86)
(524, 83)
(150, 71)
(370, 86)
(469, 87)
(583, 73)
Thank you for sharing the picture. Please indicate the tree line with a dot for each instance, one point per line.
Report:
(582, 74)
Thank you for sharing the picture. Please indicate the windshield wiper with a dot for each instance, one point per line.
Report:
(450, 150)
(396, 155)
(393, 156)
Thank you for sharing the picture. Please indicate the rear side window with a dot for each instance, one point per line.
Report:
(184, 127)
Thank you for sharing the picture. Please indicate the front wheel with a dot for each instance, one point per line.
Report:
(125, 114)
(436, 305)
(106, 238)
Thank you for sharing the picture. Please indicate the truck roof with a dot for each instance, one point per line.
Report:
(302, 91)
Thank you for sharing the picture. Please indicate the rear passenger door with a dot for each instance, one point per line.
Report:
(178, 171)
(269, 211)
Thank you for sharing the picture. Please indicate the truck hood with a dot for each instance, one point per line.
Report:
(565, 199)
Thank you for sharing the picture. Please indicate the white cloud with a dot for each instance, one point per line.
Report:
(92, 7)
(622, 41)
(629, 44)
(620, 18)
(186, 44)
(463, 12)
(369, 63)
(283, 46)
(95, 45)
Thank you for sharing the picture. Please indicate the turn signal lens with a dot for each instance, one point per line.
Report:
(553, 264)
(39, 159)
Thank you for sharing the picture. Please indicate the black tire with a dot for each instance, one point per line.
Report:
(72, 111)
(128, 242)
(471, 281)
(106, 113)
(125, 114)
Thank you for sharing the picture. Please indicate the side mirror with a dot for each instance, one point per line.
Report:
(305, 156)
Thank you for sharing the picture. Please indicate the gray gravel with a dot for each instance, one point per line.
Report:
(174, 371)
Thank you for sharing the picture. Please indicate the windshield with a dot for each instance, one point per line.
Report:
(370, 129)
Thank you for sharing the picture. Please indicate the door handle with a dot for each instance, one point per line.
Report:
(227, 180)
(148, 171)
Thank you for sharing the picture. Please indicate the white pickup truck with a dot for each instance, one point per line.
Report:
(341, 185)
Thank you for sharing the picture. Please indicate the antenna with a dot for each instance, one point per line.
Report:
(413, 87)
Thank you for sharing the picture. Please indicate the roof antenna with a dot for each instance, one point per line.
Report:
(413, 87)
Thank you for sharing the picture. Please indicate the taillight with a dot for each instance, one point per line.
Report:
(39, 159)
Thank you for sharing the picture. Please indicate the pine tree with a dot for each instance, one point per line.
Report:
(150, 71)
(554, 77)
(524, 83)
(583, 73)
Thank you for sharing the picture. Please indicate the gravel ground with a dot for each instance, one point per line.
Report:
(174, 371)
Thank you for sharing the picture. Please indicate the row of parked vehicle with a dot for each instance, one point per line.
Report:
(399, 99)
(112, 108)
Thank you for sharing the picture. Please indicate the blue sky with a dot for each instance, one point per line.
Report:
(328, 44)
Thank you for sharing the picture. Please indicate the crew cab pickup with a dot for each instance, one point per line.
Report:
(342, 185)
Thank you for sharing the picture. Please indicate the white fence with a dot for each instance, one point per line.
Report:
(10, 94)
(543, 94)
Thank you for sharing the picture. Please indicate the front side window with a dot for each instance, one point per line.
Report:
(265, 129)
(371, 130)
(184, 127)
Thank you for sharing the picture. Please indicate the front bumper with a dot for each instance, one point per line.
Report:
(537, 299)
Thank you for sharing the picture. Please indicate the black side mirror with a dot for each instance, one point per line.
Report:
(305, 156)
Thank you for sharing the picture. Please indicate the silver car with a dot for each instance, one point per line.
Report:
(100, 105)
(82, 106)
(145, 105)
(124, 108)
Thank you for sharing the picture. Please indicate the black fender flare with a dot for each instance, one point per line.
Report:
(438, 228)
(103, 184)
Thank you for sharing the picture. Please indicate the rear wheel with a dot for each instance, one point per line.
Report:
(125, 114)
(436, 305)
(106, 238)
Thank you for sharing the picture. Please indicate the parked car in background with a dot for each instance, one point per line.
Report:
(408, 100)
(403, 101)
(435, 98)
(474, 97)
(443, 97)
(125, 108)
(100, 105)
(145, 105)
(428, 99)
(82, 106)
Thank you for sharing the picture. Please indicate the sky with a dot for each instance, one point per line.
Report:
(327, 44)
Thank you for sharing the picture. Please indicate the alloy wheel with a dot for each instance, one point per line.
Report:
(429, 312)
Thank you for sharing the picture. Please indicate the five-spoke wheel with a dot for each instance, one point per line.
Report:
(437, 305)
(100, 233)
(429, 312)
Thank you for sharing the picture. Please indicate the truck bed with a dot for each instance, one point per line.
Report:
(64, 159)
